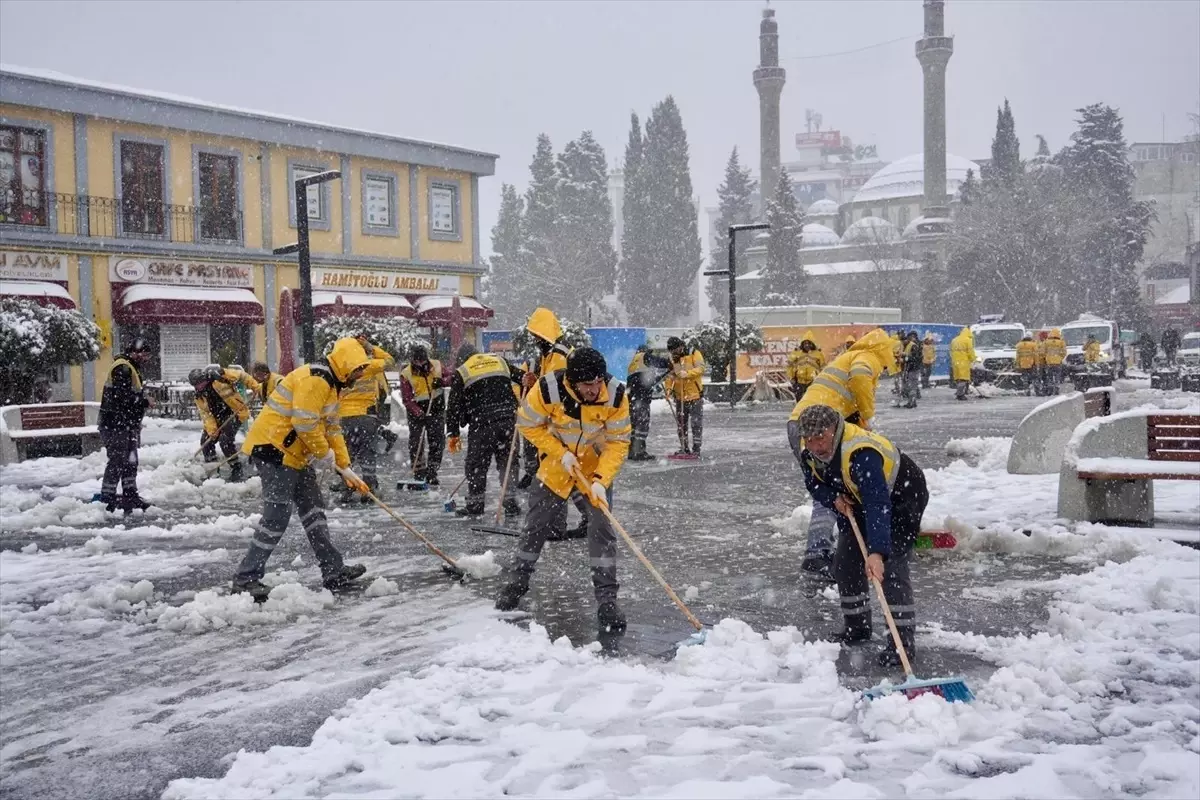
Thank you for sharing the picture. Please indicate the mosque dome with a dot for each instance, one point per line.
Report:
(906, 178)
(823, 208)
(870, 230)
(817, 235)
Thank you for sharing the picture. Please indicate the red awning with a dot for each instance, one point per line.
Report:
(437, 310)
(182, 305)
(41, 292)
(359, 304)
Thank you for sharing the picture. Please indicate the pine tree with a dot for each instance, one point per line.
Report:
(673, 258)
(736, 206)
(582, 237)
(1006, 155)
(506, 290)
(784, 282)
(542, 272)
(968, 191)
(635, 279)
(1043, 148)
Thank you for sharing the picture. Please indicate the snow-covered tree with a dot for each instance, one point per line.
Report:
(35, 339)
(784, 282)
(506, 289)
(635, 280)
(544, 277)
(712, 340)
(1006, 149)
(674, 258)
(735, 206)
(581, 242)
(396, 335)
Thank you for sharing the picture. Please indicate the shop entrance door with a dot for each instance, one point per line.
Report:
(183, 348)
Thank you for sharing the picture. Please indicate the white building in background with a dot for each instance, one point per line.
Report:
(1168, 175)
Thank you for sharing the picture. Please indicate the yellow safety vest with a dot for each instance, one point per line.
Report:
(854, 439)
(422, 385)
(483, 365)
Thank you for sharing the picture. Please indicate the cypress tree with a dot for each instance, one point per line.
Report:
(543, 274)
(784, 283)
(635, 278)
(736, 206)
(582, 236)
(506, 288)
(1006, 155)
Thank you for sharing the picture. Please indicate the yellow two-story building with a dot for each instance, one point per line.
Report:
(157, 216)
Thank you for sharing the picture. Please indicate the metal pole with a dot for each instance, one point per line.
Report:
(306, 306)
(732, 319)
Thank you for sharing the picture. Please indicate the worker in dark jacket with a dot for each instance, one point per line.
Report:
(482, 397)
(855, 471)
(1147, 349)
(122, 406)
(1170, 345)
(910, 376)
(643, 376)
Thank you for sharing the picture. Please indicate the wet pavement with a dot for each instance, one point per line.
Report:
(122, 713)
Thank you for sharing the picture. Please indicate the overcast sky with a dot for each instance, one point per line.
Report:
(492, 75)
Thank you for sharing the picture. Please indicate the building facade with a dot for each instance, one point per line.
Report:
(1168, 175)
(156, 216)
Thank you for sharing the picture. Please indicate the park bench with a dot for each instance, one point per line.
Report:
(48, 429)
(1112, 462)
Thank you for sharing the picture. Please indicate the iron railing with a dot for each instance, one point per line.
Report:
(85, 215)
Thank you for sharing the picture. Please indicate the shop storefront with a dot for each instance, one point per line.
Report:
(192, 313)
(41, 277)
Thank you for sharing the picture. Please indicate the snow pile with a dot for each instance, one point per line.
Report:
(97, 545)
(28, 510)
(382, 587)
(481, 566)
(796, 523)
(30, 548)
(102, 601)
(985, 452)
(210, 611)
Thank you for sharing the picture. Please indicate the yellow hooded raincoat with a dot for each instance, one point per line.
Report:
(962, 355)
(848, 383)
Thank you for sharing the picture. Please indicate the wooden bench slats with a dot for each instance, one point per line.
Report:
(36, 419)
(1174, 455)
(1154, 420)
(1135, 476)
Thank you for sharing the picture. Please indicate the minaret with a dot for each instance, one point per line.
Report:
(768, 79)
(933, 51)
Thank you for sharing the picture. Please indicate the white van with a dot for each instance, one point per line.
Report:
(1075, 335)
(996, 344)
(1188, 354)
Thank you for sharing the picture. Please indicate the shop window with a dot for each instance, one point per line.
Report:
(218, 215)
(143, 189)
(445, 211)
(379, 204)
(318, 196)
(22, 176)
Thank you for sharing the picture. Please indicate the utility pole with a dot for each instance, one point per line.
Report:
(731, 272)
(301, 248)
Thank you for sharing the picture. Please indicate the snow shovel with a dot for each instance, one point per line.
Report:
(953, 690)
(450, 505)
(415, 485)
(498, 528)
(451, 567)
(211, 440)
(701, 634)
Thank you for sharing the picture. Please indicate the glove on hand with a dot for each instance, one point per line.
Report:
(570, 462)
(599, 493)
(354, 482)
(454, 445)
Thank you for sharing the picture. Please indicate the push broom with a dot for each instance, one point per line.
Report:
(418, 465)
(498, 528)
(953, 690)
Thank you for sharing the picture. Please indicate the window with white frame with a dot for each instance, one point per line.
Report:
(445, 215)
(22, 176)
(318, 195)
(379, 204)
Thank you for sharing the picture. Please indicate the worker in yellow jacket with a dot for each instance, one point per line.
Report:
(578, 419)
(848, 382)
(546, 331)
(265, 378)
(928, 359)
(1056, 354)
(299, 428)
(1092, 354)
(222, 410)
(803, 364)
(358, 408)
(962, 357)
(1026, 361)
(685, 386)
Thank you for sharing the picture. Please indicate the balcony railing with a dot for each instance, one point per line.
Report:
(84, 215)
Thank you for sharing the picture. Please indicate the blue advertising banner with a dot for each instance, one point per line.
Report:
(616, 344)
(942, 334)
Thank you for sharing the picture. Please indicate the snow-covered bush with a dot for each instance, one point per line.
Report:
(36, 338)
(574, 334)
(394, 334)
(712, 340)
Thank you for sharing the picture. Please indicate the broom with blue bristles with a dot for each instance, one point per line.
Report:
(953, 690)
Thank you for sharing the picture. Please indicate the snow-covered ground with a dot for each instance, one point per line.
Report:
(125, 662)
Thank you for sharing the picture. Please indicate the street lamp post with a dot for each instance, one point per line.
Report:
(731, 271)
(301, 248)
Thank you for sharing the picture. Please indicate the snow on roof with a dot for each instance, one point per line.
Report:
(360, 299)
(150, 291)
(753, 275)
(906, 178)
(182, 100)
(870, 230)
(824, 207)
(34, 289)
(851, 267)
(431, 301)
(1180, 294)
(815, 234)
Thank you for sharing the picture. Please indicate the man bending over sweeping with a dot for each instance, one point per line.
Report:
(578, 419)
(855, 471)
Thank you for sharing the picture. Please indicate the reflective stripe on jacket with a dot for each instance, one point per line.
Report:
(359, 399)
(555, 421)
(1056, 351)
(855, 438)
(848, 383)
(802, 367)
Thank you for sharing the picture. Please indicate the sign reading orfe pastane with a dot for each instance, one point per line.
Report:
(173, 272)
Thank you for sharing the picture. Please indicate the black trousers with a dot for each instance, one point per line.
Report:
(434, 429)
(121, 449)
(225, 438)
(691, 412)
(639, 417)
(926, 371)
(488, 443)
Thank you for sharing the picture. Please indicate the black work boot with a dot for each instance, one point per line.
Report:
(109, 500)
(851, 636)
(819, 565)
(470, 510)
(432, 480)
(610, 617)
(256, 589)
(133, 502)
(889, 657)
(236, 473)
(512, 507)
(525, 482)
(511, 595)
(345, 578)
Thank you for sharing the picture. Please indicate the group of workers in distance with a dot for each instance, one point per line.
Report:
(582, 424)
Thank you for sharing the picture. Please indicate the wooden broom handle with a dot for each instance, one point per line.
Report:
(432, 547)
(883, 603)
(512, 447)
